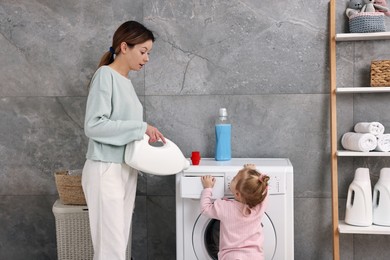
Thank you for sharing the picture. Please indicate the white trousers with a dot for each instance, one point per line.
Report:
(109, 190)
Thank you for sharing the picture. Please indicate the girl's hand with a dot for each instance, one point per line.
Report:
(154, 134)
(208, 181)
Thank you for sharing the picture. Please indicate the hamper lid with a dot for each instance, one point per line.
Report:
(58, 207)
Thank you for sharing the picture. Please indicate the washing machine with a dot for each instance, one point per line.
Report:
(197, 236)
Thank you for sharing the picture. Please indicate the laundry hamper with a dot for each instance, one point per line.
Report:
(73, 233)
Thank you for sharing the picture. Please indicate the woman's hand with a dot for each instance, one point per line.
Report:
(154, 134)
(208, 181)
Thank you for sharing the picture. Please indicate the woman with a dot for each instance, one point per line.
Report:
(114, 117)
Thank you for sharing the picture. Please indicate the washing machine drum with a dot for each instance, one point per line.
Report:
(205, 238)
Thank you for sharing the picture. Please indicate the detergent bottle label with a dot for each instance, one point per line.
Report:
(223, 142)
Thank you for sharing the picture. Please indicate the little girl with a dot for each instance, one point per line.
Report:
(241, 232)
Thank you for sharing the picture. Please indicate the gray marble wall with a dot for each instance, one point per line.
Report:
(266, 61)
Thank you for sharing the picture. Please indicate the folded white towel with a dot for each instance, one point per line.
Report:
(383, 143)
(359, 142)
(374, 128)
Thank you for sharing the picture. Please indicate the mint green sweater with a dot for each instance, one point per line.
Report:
(114, 116)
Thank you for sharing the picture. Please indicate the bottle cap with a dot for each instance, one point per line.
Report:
(223, 112)
(195, 157)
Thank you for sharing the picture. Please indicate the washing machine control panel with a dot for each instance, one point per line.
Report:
(191, 185)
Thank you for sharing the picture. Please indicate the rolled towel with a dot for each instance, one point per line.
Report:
(359, 142)
(374, 128)
(383, 143)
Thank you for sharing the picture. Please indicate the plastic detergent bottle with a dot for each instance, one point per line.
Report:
(223, 130)
(381, 199)
(359, 199)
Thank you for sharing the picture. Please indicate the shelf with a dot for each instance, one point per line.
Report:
(351, 153)
(373, 229)
(340, 37)
(363, 90)
(339, 226)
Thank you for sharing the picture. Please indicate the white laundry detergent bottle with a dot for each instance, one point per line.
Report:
(381, 199)
(165, 159)
(359, 199)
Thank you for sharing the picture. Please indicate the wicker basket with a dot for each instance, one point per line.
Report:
(380, 73)
(69, 188)
(73, 233)
(367, 22)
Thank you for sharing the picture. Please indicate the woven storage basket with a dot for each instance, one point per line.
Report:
(73, 233)
(380, 73)
(69, 188)
(367, 22)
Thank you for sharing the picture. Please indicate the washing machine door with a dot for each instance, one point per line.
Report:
(205, 238)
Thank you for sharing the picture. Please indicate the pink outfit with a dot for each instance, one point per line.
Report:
(241, 236)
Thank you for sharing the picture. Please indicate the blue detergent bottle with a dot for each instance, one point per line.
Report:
(223, 130)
